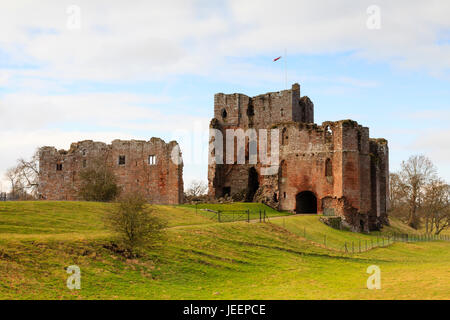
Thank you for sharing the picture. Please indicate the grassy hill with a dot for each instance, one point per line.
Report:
(309, 227)
(203, 259)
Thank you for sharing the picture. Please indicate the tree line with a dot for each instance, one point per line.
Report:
(419, 197)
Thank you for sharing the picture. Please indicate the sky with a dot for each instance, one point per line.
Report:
(105, 70)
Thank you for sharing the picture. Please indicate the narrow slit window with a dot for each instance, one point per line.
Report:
(59, 167)
(328, 168)
(152, 160)
(84, 163)
(121, 160)
(284, 137)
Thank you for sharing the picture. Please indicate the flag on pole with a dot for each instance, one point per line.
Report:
(276, 59)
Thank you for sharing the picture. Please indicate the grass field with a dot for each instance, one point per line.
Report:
(307, 226)
(203, 259)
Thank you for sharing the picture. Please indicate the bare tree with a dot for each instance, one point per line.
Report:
(197, 188)
(24, 178)
(15, 187)
(436, 206)
(396, 191)
(28, 171)
(415, 174)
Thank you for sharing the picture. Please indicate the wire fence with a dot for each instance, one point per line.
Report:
(363, 245)
(237, 215)
(351, 243)
(354, 246)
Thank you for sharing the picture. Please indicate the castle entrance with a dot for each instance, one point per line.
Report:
(305, 202)
(253, 184)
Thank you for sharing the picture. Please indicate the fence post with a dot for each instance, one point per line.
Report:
(346, 250)
(304, 232)
(353, 247)
(360, 246)
(248, 216)
(366, 245)
(325, 240)
(259, 215)
(383, 241)
(371, 243)
(218, 215)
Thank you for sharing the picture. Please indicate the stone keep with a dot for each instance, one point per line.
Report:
(147, 167)
(333, 168)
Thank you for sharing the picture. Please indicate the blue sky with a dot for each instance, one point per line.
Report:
(152, 68)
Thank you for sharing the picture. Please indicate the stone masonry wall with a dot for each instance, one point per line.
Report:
(148, 168)
(337, 162)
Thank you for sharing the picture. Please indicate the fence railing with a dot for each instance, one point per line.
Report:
(361, 243)
(359, 246)
(239, 215)
(354, 246)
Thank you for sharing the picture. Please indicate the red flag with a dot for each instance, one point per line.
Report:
(277, 58)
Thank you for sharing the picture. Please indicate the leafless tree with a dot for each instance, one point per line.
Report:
(24, 178)
(12, 177)
(436, 206)
(197, 188)
(28, 171)
(415, 174)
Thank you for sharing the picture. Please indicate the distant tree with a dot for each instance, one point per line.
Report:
(415, 174)
(197, 188)
(13, 179)
(135, 222)
(24, 178)
(436, 206)
(397, 197)
(28, 171)
(98, 182)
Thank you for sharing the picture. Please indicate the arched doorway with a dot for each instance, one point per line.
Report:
(305, 202)
(253, 184)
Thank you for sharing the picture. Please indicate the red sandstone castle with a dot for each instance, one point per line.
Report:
(333, 168)
(153, 168)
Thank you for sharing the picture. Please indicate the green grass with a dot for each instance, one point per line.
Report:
(201, 259)
(309, 227)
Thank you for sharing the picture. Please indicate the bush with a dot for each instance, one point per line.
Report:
(134, 222)
(98, 183)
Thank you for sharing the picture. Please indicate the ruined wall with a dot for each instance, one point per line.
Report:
(345, 171)
(379, 172)
(145, 167)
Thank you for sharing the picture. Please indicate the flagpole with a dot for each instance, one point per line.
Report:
(285, 68)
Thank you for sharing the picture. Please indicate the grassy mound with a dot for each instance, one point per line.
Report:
(202, 259)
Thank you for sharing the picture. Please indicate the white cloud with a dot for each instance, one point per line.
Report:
(29, 121)
(154, 39)
(435, 143)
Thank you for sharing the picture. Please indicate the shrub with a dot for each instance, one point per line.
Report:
(134, 222)
(98, 183)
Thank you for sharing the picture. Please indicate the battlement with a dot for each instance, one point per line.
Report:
(263, 110)
(332, 168)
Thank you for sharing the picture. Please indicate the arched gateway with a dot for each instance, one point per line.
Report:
(305, 202)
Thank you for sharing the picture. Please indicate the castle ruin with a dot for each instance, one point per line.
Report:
(153, 168)
(334, 169)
